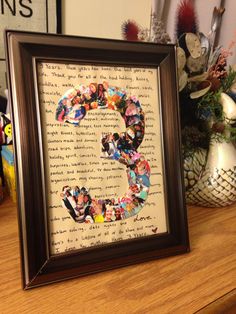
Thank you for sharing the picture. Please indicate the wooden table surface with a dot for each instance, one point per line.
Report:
(203, 280)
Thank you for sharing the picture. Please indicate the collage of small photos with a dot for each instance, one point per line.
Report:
(122, 147)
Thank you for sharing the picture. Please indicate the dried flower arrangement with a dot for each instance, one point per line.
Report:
(207, 91)
(133, 32)
(205, 83)
(204, 80)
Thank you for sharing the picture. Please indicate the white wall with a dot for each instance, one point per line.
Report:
(103, 18)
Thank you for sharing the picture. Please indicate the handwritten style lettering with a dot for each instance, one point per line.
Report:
(72, 155)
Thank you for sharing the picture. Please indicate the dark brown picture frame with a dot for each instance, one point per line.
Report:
(38, 267)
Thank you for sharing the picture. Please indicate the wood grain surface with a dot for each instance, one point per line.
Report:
(181, 284)
(224, 305)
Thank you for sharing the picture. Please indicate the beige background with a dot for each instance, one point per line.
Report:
(72, 155)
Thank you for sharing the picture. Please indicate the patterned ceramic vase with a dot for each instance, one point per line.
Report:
(210, 179)
(210, 175)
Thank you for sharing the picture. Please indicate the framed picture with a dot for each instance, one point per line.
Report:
(97, 154)
(37, 16)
